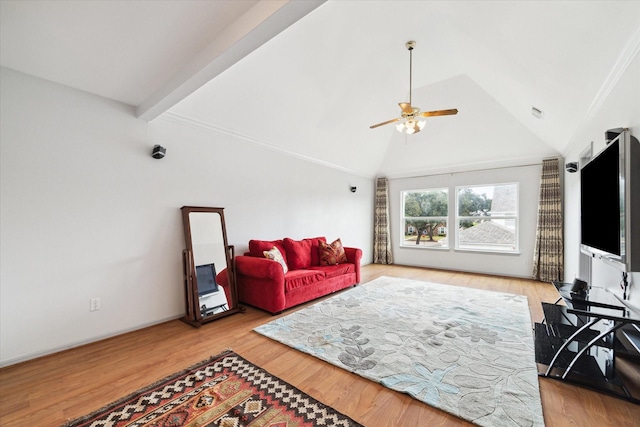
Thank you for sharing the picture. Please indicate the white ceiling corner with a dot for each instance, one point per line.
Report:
(259, 24)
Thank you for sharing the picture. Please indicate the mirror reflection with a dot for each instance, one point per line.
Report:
(210, 260)
(208, 266)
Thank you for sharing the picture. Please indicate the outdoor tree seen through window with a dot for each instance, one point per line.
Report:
(485, 218)
(425, 217)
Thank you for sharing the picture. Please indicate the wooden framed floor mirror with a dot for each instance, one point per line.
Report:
(208, 266)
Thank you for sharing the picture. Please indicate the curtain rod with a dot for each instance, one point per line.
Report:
(478, 170)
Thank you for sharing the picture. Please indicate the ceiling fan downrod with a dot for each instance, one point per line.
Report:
(410, 45)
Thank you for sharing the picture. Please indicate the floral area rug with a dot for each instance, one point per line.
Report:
(225, 391)
(469, 352)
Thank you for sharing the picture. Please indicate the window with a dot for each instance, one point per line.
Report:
(424, 218)
(487, 217)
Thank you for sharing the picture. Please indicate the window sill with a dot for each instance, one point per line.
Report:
(487, 251)
(434, 247)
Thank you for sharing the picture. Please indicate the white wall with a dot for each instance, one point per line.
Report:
(266, 195)
(86, 212)
(621, 108)
(518, 265)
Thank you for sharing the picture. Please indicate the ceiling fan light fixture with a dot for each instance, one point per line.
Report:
(410, 129)
(410, 126)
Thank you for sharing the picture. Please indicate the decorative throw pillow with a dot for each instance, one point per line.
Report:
(332, 253)
(275, 255)
(257, 247)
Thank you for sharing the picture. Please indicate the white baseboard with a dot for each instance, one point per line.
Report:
(32, 356)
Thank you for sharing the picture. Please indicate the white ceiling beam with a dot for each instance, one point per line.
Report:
(262, 22)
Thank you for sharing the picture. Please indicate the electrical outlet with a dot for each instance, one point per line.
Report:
(94, 304)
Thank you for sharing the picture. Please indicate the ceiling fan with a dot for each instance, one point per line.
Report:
(409, 122)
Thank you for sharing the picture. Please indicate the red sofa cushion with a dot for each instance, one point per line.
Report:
(298, 253)
(299, 278)
(335, 270)
(257, 247)
(302, 253)
(315, 249)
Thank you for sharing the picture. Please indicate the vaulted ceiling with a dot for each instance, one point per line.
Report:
(309, 77)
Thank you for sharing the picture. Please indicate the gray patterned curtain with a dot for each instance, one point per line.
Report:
(381, 239)
(548, 257)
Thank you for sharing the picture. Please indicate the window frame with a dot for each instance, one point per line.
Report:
(445, 220)
(492, 248)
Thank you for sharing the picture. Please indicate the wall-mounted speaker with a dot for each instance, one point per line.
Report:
(572, 167)
(158, 152)
(611, 134)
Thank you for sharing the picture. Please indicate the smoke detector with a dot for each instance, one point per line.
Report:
(536, 112)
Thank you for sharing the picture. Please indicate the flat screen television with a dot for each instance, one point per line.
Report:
(206, 276)
(609, 204)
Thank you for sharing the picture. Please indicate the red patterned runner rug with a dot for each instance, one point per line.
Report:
(224, 391)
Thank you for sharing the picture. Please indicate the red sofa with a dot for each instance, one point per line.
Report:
(263, 283)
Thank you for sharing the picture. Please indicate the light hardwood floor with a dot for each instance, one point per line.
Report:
(52, 389)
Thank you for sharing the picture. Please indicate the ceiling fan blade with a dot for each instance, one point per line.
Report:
(384, 123)
(406, 107)
(440, 113)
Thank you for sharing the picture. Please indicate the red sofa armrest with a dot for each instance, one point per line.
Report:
(260, 283)
(260, 268)
(354, 256)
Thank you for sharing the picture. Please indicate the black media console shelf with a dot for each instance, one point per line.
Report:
(593, 340)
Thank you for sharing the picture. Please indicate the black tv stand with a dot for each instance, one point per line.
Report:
(592, 340)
